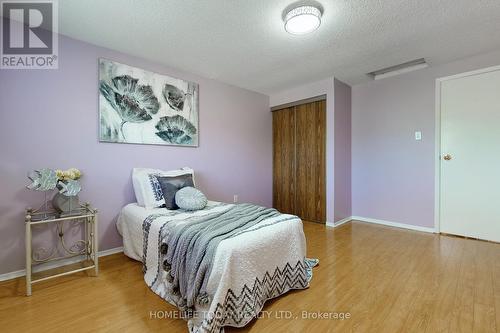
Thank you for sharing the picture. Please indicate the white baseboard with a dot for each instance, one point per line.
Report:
(393, 224)
(338, 223)
(55, 264)
(109, 252)
(382, 222)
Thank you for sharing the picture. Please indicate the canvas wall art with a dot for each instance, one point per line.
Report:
(138, 106)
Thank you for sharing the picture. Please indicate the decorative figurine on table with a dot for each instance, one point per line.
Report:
(65, 201)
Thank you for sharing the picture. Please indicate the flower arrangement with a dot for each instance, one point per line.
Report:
(47, 179)
(70, 174)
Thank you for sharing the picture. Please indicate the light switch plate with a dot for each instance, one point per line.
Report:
(418, 136)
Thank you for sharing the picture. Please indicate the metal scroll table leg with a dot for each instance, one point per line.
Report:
(28, 258)
(96, 248)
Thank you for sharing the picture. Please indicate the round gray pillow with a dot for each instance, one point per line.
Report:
(189, 198)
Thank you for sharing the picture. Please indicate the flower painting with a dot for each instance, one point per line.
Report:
(138, 106)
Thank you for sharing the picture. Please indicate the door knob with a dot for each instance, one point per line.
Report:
(447, 157)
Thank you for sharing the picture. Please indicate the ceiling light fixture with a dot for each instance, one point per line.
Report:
(302, 20)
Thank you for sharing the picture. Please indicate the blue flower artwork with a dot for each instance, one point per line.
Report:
(176, 130)
(142, 107)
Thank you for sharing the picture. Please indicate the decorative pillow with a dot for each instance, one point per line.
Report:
(189, 198)
(147, 188)
(170, 185)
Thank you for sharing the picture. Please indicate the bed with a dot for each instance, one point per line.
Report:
(253, 265)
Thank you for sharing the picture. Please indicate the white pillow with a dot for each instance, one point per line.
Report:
(146, 187)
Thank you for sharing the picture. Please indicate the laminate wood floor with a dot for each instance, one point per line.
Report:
(385, 279)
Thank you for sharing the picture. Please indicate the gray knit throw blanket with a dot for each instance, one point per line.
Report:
(189, 249)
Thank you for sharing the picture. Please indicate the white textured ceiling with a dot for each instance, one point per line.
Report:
(242, 42)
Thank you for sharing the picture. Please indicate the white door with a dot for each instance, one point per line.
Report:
(470, 156)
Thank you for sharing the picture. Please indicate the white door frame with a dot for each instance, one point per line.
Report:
(437, 163)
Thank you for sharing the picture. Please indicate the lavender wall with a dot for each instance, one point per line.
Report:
(392, 174)
(48, 118)
(308, 90)
(342, 162)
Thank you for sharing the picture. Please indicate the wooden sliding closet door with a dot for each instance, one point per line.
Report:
(284, 160)
(299, 140)
(310, 173)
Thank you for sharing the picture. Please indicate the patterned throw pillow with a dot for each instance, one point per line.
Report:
(170, 185)
(189, 198)
(148, 190)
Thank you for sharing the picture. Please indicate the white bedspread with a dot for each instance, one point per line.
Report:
(248, 269)
(129, 225)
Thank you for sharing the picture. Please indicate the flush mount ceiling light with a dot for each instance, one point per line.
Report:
(302, 20)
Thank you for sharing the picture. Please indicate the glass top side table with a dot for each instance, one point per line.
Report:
(84, 251)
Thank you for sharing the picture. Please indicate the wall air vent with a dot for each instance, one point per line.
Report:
(406, 67)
